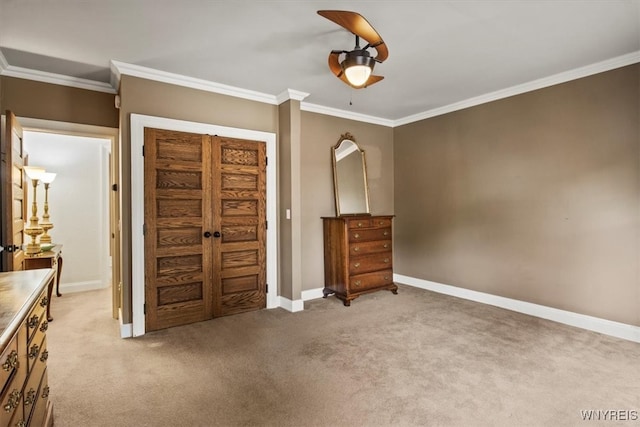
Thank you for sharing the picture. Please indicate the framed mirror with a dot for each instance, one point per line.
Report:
(350, 177)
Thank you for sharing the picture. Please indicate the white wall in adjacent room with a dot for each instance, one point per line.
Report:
(78, 204)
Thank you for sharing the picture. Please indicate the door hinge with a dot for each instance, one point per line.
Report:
(114, 187)
(266, 288)
(143, 151)
(266, 161)
(144, 229)
(144, 308)
(266, 225)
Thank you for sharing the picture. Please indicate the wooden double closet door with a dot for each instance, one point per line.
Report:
(205, 227)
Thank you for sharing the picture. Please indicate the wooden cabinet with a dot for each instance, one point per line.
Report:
(358, 256)
(24, 395)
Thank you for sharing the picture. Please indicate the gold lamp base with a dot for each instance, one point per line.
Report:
(33, 247)
(46, 226)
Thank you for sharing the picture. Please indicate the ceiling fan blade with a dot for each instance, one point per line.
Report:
(358, 25)
(334, 63)
(373, 79)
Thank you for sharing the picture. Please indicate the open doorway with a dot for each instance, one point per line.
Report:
(83, 204)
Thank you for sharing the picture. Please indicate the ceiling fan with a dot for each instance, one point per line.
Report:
(357, 65)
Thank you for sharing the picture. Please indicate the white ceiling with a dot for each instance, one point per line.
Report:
(440, 52)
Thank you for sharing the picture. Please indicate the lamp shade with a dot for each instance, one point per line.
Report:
(48, 177)
(34, 172)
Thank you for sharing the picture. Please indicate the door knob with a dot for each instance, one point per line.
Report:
(216, 234)
(207, 234)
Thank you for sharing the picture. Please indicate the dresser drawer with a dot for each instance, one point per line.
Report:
(381, 222)
(9, 362)
(374, 262)
(40, 411)
(363, 282)
(36, 316)
(359, 223)
(38, 363)
(11, 404)
(364, 248)
(369, 234)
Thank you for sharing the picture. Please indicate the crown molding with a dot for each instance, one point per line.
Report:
(3, 63)
(599, 67)
(56, 79)
(293, 94)
(315, 108)
(119, 68)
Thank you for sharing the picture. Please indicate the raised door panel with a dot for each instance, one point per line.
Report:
(239, 282)
(178, 267)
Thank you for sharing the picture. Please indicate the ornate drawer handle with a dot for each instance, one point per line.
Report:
(45, 392)
(356, 236)
(356, 249)
(11, 362)
(356, 283)
(44, 301)
(356, 265)
(44, 326)
(30, 398)
(21, 423)
(35, 349)
(44, 356)
(12, 403)
(33, 322)
(386, 233)
(386, 260)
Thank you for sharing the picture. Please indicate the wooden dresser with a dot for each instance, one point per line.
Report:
(358, 256)
(24, 398)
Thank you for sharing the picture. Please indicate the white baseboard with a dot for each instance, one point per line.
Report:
(596, 324)
(312, 294)
(126, 329)
(90, 285)
(289, 305)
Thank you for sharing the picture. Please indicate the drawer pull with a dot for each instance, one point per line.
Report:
(359, 224)
(21, 423)
(44, 326)
(11, 362)
(44, 301)
(30, 398)
(386, 233)
(356, 236)
(381, 222)
(386, 277)
(44, 356)
(356, 283)
(386, 260)
(386, 245)
(12, 403)
(33, 322)
(356, 249)
(45, 392)
(33, 353)
(356, 265)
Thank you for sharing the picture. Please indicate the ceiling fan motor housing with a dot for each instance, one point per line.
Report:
(358, 57)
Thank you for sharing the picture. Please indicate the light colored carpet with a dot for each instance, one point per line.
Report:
(416, 358)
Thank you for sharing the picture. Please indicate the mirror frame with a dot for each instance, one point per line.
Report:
(336, 190)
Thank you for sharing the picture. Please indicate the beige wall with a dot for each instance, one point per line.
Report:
(319, 134)
(37, 100)
(153, 98)
(534, 197)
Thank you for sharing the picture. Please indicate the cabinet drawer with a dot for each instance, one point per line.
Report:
(359, 223)
(381, 222)
(365, 264)
(363, 282)
(36, 317)
(11, 404)
(31, 389)
(364, 248)
(40, 408)
(9, 362)
(369, 234)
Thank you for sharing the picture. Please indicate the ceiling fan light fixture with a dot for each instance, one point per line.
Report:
(357, 66)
